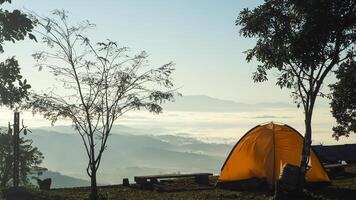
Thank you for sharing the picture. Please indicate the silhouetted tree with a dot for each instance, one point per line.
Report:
(302, 41)
(101, 82)
(343, 102)
(14, 26)
(29, 160)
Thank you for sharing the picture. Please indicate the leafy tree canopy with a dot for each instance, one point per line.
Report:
(14, 26)
(344, 99)
(30, 159)
(10, 92)
(298, 34)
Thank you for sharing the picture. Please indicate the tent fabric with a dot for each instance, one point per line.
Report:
(262, 152)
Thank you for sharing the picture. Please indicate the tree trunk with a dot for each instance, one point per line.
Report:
(94, 189)
(306, 147)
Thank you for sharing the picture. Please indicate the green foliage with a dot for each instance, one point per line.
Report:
(343, 102)
(10, 92)
(301, 40)
(14, 26)
(30, 159)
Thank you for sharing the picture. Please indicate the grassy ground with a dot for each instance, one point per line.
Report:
(132, 193)
(343, 187)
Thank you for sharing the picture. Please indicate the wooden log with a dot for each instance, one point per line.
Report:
(148, 182)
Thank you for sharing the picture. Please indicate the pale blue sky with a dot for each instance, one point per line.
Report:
(199, 36)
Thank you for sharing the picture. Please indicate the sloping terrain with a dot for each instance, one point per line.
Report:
(127, 154)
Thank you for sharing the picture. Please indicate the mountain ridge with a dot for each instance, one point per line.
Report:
(128, 154)
(204, 103)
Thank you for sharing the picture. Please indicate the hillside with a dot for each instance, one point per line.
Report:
(127, 154)
(62, 181)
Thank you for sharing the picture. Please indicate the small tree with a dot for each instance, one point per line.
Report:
(343, 102)
(29, 158)
(14, 26)
(302, 41)
(101, 82)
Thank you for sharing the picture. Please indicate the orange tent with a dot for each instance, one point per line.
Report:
(262, 152)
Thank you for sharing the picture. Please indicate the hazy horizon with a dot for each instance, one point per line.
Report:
(207, 119)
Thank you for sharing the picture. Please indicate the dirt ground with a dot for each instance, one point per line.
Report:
(343, 187)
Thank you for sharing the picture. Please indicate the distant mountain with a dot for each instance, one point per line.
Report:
(127, 154)
(202, 103)
(186, 161)
(62, 181)
(196, 146)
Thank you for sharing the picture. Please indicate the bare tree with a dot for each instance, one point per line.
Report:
(101, 82)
